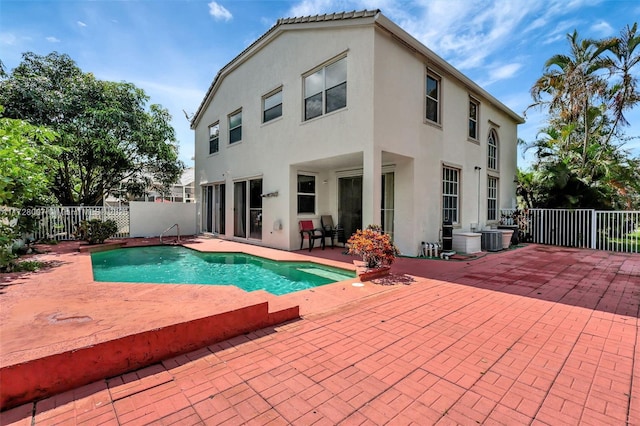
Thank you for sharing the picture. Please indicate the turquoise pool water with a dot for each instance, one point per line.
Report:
(180, 265)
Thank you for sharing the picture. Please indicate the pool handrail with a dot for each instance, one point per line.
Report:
(175, 225)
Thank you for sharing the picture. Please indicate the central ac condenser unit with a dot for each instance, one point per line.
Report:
(491, 240)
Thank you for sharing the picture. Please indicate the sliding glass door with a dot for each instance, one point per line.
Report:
(247, 209)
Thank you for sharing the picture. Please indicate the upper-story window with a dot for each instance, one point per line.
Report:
(492, 150)
(272, 106)
(235, 127)
(214, 137)
(325, 90)
(433, 98)
(474, 108)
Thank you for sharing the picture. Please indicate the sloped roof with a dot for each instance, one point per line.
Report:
(378, 18)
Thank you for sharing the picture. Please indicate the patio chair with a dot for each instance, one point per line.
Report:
(308, 232)
(330, 231)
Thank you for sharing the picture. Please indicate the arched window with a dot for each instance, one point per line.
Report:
(492, 150)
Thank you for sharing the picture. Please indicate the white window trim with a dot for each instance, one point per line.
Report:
(315, 194)
(497, 149)
(324, 65)
(430, 73)
(264, 98)
(475, 139)
(238, 111)
(217, 123)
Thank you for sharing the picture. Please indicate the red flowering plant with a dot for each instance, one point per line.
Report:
(375, 247)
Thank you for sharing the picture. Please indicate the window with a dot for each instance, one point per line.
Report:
(473, 119)
(492, 150)
(306, 194)
(433, 98)
(272, 106)
(492, 198)
(326, 86)
(450, 194)
(387, 203)
(235, 127)
(214, 137)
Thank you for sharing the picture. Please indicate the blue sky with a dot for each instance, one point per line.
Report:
(173, 48)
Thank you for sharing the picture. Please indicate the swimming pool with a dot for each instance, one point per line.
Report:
(180, 265)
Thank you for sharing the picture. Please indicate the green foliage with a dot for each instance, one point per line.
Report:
(108, 134)
(26, 153)
(95, 231)
(580, 158)
(27, 266)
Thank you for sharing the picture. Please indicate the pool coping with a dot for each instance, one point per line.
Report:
(85, 354)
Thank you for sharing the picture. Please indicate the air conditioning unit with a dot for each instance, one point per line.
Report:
(491, 240)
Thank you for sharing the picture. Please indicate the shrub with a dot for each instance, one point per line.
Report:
(375, 247)
(96, 231)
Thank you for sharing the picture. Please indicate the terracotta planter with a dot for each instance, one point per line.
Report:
(372, 274)
(368, 274)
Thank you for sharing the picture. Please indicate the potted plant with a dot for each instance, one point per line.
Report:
(376, 249)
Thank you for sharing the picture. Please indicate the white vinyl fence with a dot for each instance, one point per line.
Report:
(581, 228)
(61, 223)
(139, 219)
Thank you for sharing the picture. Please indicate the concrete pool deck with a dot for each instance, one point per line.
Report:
(60, 329)
(537, 335)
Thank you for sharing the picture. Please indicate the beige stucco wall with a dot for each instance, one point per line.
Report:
(400, 128)
(268, 150)
(382, 125)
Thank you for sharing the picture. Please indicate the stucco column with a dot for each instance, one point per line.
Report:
(371, 186)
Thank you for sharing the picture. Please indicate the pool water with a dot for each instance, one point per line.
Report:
(180, 265)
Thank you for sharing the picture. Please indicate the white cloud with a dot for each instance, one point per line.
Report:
(218, 12)
(603, 28)
(313, 7)
(7, 38)
(81, 24)
(52, 39)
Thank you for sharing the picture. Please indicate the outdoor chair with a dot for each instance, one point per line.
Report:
(331, 231)
(308, 232)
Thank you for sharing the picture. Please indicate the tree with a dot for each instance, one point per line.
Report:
(580, 160)
(112, 142)
(26, 153)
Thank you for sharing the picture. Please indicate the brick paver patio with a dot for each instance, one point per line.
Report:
(538, 335)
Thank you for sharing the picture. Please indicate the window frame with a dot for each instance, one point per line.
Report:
(265, 98)
(492, 198)
(216, 138)
(300, 194)
(232, 129)
(493, 157)
(474, 120)
(450, 195)
(323, 93)
(438, 100)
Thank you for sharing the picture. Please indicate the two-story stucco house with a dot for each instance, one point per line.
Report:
(348, 115)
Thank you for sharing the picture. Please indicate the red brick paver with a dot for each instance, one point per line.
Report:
(538, 335)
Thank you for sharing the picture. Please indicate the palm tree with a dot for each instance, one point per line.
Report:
(573, 85)
(625, 94)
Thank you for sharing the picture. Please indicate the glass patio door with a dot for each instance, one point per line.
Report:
(219, 208)
(247, 209)
(387, 208)
(240, 209)
(207, 209)
(350, 204)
